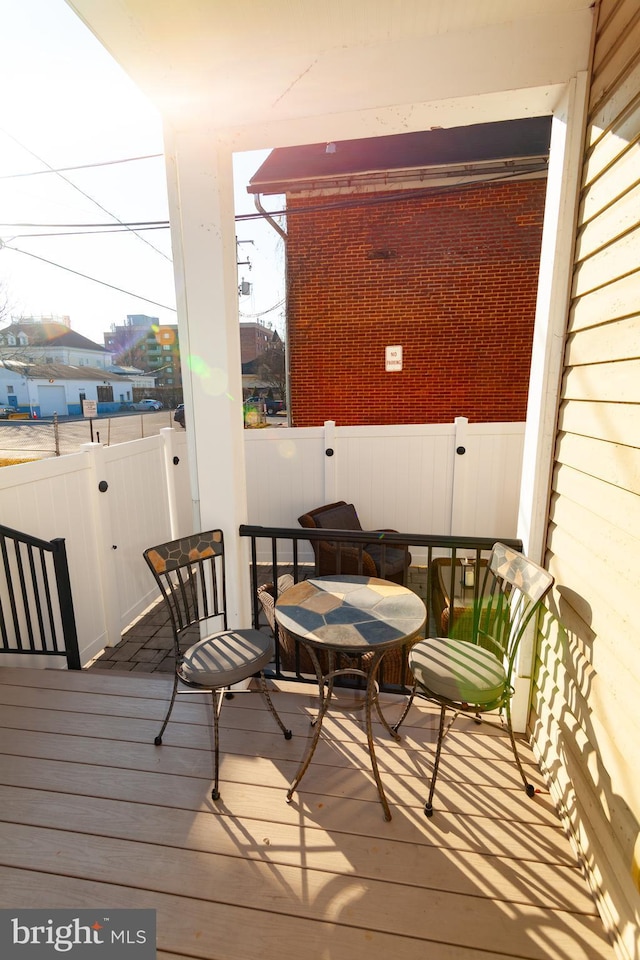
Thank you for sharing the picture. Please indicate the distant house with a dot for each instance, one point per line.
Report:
(428, 242)
(42, 340)
(42, 389)
(255, 341)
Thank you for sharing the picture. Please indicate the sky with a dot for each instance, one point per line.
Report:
(66, 103)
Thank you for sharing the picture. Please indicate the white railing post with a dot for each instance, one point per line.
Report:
(167, 435)
(330, 462)
(101, 506)
(460, 476)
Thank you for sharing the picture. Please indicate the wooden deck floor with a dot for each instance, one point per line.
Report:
(96, 816)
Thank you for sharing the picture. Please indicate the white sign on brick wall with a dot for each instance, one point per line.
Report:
(393, 358)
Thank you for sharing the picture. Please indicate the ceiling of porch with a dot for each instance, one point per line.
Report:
(231, 66)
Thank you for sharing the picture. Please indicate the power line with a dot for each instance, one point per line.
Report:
(77, 226)
(261, 313)
(82, 166)
(85, 276)
(85, 233)
(84, 194)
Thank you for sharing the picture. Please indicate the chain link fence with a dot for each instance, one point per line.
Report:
(22, 440)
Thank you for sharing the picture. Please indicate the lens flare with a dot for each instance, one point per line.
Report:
(213, 379)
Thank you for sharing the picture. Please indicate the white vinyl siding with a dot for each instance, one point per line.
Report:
(586, 721)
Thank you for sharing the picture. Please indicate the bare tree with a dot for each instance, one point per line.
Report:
(5, 305)
(272, 369)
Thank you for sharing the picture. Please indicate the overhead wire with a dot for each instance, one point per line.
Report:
(81, 166)
(84, 194)
(104, 283)
(261, 313)
(139, 225)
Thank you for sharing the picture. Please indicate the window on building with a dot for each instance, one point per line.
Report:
(105, 394)
(10, 389)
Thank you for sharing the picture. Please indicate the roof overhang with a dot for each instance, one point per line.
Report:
(221, 65)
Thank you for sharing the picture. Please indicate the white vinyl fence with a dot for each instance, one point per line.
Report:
(110, 503)
(457, 478)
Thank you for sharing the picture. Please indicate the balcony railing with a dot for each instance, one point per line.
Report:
(36, 607)
(279, 550)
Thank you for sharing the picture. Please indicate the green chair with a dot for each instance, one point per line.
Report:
(474, 674)
(191, 577)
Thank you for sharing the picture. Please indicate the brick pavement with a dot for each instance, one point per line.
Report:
(147, 644)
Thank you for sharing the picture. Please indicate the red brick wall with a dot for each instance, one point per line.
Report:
(450, 276)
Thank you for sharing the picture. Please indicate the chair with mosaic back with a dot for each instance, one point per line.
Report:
(190, 573)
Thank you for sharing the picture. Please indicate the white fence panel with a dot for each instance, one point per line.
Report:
(285, 478)
(53, 498)
(106, 532)
(179, 483)
(487, 479)
(138, 516)
(404, 477)
(409, 478)
(398, 477)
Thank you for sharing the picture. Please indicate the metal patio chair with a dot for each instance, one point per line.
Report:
(474, 674)
(190, 573)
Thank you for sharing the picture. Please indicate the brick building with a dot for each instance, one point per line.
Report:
(145, 344)
(255, 338)
(427, 241)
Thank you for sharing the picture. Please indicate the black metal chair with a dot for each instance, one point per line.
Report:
(190, 573)
(473, 674)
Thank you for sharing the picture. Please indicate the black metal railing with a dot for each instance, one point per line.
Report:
(439, 569)
(36, 606)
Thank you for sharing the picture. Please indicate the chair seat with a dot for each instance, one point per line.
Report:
(227, 657)
(457, 670)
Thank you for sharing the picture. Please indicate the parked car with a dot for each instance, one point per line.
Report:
(179, 414)
(148, 403)
(271, 406)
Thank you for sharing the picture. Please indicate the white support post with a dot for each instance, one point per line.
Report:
(167, 435)
(554, 288)
(200, 189)
(330, 462)
(106, 578)
(460, 477)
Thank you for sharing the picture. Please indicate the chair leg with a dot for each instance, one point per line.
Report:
(265, 694)
(216, 699)
(158, 739)
(428, 807)
(529, 788)
(407, 707)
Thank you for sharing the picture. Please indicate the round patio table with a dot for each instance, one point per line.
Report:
(350, 615)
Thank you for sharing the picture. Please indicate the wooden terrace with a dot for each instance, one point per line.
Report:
(95, 815)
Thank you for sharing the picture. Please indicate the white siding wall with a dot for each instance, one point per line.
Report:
(586, 721)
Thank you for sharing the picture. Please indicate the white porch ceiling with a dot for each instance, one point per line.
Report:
(233, 65)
